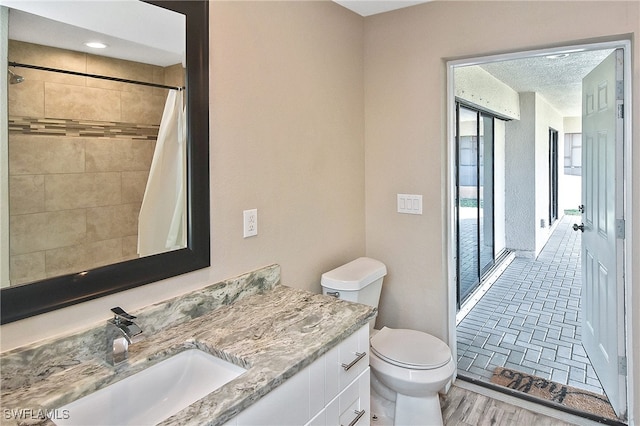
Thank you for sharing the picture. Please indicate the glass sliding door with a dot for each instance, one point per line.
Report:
(475, 216)
(467, 153)
(485, 191)
(553, 176)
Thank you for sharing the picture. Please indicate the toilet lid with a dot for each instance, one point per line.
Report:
(410, 348)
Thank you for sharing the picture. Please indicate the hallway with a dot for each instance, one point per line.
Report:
(529, 320)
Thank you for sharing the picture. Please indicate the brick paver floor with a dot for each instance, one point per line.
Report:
(529, 320)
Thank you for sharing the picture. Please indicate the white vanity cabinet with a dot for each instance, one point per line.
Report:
(349, 408)
(333, 390)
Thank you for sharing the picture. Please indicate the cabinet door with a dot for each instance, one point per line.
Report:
(287, 405)
(346, 361)
(317, 379)
(319, 420)
(352, 406)
(305, 395)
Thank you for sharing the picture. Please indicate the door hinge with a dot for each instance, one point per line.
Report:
(622, 365)
(619, 90)
(620, 110)
(620, 229)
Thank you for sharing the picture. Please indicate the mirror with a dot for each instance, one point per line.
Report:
(191, 251)
(96, 170)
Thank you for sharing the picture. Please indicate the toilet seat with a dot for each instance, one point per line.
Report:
(410, 349)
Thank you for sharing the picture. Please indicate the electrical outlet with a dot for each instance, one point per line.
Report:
(250, 227)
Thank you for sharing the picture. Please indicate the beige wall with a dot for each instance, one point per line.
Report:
(405, 120)
(287, 138)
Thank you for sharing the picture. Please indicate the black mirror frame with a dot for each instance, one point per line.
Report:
(35, 298)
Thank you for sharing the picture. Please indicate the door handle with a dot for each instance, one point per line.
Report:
(580, 227)
(581, 208)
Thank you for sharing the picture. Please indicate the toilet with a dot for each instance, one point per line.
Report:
(411, 365)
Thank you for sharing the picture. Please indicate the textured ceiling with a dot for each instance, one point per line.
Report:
(559, 80)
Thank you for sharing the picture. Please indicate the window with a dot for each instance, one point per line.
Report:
(573, 154)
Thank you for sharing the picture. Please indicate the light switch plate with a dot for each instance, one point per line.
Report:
(410, 203)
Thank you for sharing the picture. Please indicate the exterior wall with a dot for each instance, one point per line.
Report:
(520, 186)
(545, 117)
(572, 124)
(79, 156)
(570, 185)
(499, 178)
(475, 85)
(527, 188)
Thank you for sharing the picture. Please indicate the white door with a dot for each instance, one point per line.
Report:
(602, 241)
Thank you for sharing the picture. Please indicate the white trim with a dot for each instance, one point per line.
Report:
(450, 210)
(4, 148)
(628, 214)
(628, 201)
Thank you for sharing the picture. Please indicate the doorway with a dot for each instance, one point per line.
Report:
(548, 218)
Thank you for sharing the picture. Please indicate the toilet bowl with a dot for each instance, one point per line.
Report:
(415, 366)
(412, 365)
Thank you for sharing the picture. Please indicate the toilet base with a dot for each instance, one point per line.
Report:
(412, 411)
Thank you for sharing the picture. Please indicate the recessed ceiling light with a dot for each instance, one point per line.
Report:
(557, 56)
(95, 45)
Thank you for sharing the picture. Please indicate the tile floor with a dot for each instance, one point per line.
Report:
(529, 319)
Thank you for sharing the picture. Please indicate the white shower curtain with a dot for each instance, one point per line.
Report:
(162, 219)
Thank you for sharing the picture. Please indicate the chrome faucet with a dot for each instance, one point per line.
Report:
(121, 332)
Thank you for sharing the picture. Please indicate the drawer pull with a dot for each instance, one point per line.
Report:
(335, 294)
(358, 415)
(359, 356)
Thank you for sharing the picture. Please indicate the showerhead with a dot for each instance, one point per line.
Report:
(15, 78)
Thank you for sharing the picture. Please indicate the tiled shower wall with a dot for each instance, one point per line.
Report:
(79, 156)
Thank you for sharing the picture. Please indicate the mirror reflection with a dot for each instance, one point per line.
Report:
(97, 166)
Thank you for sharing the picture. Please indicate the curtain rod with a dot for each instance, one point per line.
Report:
(102, 77)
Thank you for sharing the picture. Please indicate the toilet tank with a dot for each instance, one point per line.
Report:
(357, 281)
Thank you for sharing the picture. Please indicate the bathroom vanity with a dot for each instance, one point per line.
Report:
(305, 355)
(333, 390)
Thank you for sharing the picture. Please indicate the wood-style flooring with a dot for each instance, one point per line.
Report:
(462, 407)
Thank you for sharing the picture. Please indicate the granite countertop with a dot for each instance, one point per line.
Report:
(273, 334)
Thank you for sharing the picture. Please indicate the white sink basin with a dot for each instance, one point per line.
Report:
(153, 394)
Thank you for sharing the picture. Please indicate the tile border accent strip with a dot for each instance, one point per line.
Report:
(81, 128)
